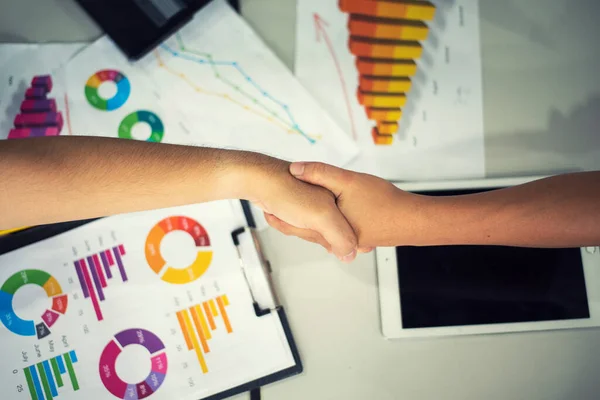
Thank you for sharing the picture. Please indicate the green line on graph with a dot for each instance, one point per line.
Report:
(228, 82)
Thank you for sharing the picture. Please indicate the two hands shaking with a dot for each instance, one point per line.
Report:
(348, 212)
(352, 215)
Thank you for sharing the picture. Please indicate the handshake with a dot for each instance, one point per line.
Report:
(343, 211)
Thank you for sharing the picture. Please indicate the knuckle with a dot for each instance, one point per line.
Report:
(315, 169)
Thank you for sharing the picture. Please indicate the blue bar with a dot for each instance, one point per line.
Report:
(73, 356)
(61, 365)
(50, 378)
(36, 383)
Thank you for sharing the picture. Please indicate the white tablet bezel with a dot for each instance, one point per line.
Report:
(389, 291)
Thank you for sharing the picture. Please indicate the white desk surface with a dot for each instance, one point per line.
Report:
(333, 308)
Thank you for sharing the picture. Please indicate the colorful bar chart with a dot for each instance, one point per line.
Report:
(39, 115)
(94, 272)
(158, 361)
(158, 264)
(45, 379)
(198, 322)
(19, 326)
(385, 38)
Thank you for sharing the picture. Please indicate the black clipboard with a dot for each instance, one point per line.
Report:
(250, 254)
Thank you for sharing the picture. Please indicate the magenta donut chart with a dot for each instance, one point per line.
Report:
(108, 360)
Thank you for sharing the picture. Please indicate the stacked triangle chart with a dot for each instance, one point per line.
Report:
(385, 38)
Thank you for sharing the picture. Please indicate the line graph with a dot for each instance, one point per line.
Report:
(225, 96)
(219, 76)
(284, 120)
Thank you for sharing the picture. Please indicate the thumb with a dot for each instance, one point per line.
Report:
(320, 174)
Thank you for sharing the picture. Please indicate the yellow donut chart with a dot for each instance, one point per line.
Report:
(157, 262)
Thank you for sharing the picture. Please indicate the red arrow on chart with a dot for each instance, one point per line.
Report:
(320, 25)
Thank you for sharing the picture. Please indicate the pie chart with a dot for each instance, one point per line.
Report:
(117, 100)
(157, 128)
(48, 318)
(201, 240)
(108, 361)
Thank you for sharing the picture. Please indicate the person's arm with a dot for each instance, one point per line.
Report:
(560, 211)
(45, 180)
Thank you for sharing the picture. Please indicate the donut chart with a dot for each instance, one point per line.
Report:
(108, 360)
(22, 327)
(158, 263)
(156, 125)
(93, 83)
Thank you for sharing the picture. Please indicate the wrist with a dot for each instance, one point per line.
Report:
(415, 219)
(245, 174)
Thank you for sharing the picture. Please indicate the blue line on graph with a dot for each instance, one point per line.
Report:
(247, 78)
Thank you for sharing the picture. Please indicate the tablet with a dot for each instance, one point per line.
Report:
(464, 290)
(138, 26)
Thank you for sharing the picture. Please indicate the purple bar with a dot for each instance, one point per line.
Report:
(86, 294)
(120, 263)
(95, 278)
(106, 265)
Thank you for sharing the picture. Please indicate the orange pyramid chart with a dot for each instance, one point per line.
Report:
(385, 38)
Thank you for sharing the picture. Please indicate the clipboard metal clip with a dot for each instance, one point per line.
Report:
(257, 271)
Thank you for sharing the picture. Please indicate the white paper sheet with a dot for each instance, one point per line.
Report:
(441, 129)
(110, 97)
(57, 317)
(235, 93)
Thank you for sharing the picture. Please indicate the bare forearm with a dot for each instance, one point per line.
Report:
(65, 178)
(560, 211)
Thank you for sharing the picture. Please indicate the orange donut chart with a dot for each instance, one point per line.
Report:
(158, 264)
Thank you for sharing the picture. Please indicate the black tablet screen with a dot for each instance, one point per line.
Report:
(471, 285)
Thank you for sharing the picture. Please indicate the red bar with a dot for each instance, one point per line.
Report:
(44, 81)
(99, 270)
(18, 133)
(93, 296)
(121, 249)
(36, 120)
(111, 261)
(38, 106)
(21, 133)
(36, 93)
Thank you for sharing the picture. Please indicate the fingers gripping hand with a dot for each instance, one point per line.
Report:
(289, 230)
(370, 204)
(305, 234)
(308, 211)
